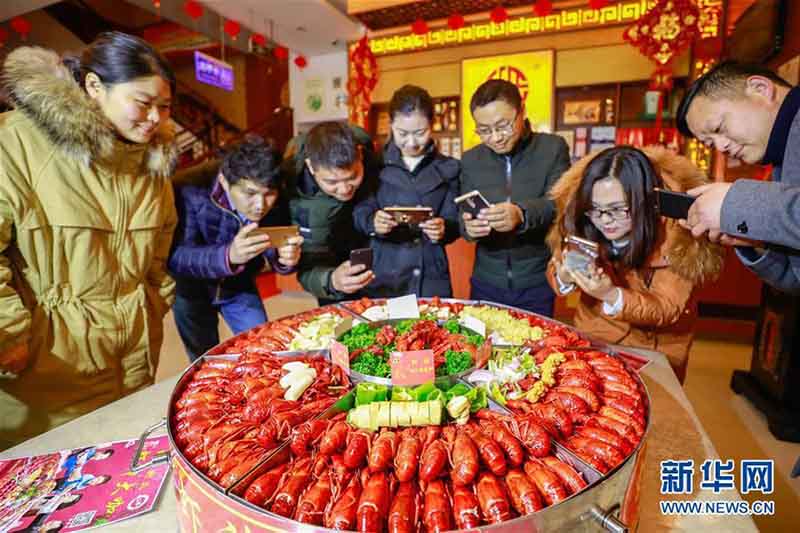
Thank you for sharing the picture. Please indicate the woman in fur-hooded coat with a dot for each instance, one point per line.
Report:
(86, 222)
(659, 309)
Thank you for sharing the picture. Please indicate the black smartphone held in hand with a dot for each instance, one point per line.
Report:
(580, 253)
(673, 204)
(361, 256)
(472, 203)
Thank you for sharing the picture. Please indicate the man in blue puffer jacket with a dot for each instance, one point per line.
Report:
(215, 254)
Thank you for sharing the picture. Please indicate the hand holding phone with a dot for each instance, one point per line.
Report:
(579, 255)
(289, 255)
(279, 236)
(361, 256)
(350, 277)
(248, 243)
(384, 222)
(673, 204)
(409, 215)
(472, 203)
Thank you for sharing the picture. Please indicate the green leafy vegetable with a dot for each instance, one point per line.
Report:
(360, 337)
(371, 365)
(453, 326)
(405, 325)
(455, 362)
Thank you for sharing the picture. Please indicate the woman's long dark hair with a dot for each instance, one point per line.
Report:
(117, 57)
(639, 180)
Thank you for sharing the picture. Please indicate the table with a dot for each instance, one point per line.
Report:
(675, 433)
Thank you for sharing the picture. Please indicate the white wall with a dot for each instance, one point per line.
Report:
(313, 91)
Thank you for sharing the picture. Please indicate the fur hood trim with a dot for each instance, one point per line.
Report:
(697, 260)
(43, 88)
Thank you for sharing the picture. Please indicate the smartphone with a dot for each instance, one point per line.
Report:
(361, 256)
(472, 203)
(580, 253)
(673, 204)
(409, 215)
(278, 235)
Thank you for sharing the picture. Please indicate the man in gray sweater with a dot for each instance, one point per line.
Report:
(751, 114)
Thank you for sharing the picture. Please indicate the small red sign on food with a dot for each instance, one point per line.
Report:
(340, 356)
(412, 368)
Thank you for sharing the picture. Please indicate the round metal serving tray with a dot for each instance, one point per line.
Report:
(358, 377)
(609, 503)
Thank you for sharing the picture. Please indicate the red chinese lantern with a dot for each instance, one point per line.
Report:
(598, 4)
(420, 27)
(157, 4)
(498, 15)
(301, 61)
(3, 36)
(232, 28)
(21, 26)
(258, 39)
(194, 10)
(542, 8)
(280, 52)
(455, 22)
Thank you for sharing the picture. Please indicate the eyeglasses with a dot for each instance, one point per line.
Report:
(485, 132)
(616, 213)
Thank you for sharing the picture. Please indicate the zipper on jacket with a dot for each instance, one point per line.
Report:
(239, 221)
(509, 274)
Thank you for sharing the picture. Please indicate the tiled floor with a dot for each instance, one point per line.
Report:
(737, 429)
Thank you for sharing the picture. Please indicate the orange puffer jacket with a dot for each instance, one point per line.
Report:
(659, 306)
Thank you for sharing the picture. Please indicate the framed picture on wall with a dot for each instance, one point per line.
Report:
(582, 111)
(531, 72)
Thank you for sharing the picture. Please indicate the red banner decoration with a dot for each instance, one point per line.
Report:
(301, 61)
(542, 8)
(194, 10)
(363, 78)
(281, 53)
(22, 26)
(498, 15)
(598, 4)
(455, 21)
(420, 27)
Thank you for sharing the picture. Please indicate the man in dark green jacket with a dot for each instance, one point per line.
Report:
(514, 168)
(329, 170)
